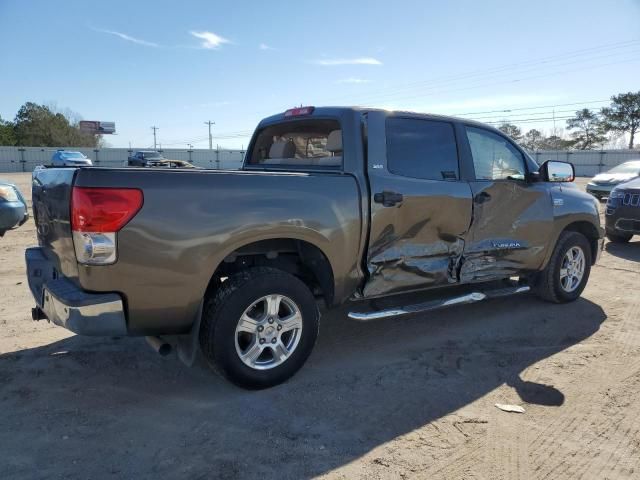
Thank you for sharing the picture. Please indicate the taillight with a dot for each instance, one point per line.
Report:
(97, 214)
(295, 112)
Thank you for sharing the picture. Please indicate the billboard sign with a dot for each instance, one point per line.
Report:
(97, 128)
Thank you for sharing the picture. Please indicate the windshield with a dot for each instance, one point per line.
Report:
(629, 167)
(74, 155)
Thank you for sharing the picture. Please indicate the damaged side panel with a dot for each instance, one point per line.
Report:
(419, 243)
(511, 228)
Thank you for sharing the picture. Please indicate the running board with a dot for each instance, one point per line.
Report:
(437, 304)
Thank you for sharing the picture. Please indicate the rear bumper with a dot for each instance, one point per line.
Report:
(67, 305)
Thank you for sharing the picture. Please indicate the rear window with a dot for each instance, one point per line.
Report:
(303, 143)
(422, 149)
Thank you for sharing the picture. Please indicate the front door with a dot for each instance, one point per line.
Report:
(420, 209)
(512, 218)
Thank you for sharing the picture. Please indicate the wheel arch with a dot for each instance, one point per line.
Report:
(301, 257)
(585, 227)
(590, 231)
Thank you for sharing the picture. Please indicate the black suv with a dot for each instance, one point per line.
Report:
(623, 212)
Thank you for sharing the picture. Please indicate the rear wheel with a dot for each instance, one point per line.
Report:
(568, 270)
(619, 238)
(259, 327)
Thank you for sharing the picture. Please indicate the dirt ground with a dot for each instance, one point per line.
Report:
(405, 398)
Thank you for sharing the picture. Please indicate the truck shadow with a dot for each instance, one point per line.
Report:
(626, 251)
(91, 407)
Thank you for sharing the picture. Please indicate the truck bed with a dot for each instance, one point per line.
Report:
(189, 223)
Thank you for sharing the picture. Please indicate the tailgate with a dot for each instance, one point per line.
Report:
(51, 192)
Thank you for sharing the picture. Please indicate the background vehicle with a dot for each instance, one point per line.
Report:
(336, 204)
(142, 158)
(601, 185)
(169, 164)
(13, 208)
(67, 158)
(622, 215)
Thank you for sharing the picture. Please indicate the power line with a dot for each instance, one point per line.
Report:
(510, 81)
(508, 67)
(534, 108)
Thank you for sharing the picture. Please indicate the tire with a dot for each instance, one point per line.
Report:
(248, 295)
(619, 238)
(549, 284)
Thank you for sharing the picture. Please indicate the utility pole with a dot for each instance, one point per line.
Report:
(209, 122)
(154, 136)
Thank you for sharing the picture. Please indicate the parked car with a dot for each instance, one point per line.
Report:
(150, 158)
(601, 185)
(13, 207)
(170, 164)
(143, 158)
(622, 215)
(67, 158)
(333, 204)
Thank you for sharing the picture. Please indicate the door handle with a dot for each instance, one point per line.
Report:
(388, 199)
(482, 197)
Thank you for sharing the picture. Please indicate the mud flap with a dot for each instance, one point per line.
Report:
(187, 346)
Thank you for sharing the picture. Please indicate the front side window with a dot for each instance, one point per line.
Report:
(494, 157)
(307, 143)
(421, 149)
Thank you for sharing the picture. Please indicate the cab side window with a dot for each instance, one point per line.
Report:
(421, 149)
(494, 157)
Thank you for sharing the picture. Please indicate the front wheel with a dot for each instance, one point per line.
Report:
(567, 273)
(259, 328)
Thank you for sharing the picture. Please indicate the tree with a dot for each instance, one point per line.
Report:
(7, 135)
(511, 130)
(589, 132)
(533, 139)
(38, 126)
(554, 142)
(623, 115)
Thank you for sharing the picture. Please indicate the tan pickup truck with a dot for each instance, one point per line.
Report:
(332, 205)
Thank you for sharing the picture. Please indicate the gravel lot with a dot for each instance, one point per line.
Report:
(405, 398)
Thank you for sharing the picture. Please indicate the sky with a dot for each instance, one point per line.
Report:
(176, 65)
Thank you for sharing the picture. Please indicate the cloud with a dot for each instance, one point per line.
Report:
(264, 46)
(210, 41)
(354, 80)
(332, 62)
(128, 38)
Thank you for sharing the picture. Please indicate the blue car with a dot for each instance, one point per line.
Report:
(67, 158)
(13, 207)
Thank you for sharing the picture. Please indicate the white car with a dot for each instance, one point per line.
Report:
(602, 184)
(67, 158)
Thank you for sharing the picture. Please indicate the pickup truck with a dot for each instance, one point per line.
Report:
(332, 205)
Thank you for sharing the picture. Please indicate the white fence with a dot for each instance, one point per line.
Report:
(25, 159)
(588, 162)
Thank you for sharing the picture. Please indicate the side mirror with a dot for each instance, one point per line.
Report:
(555, 171)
